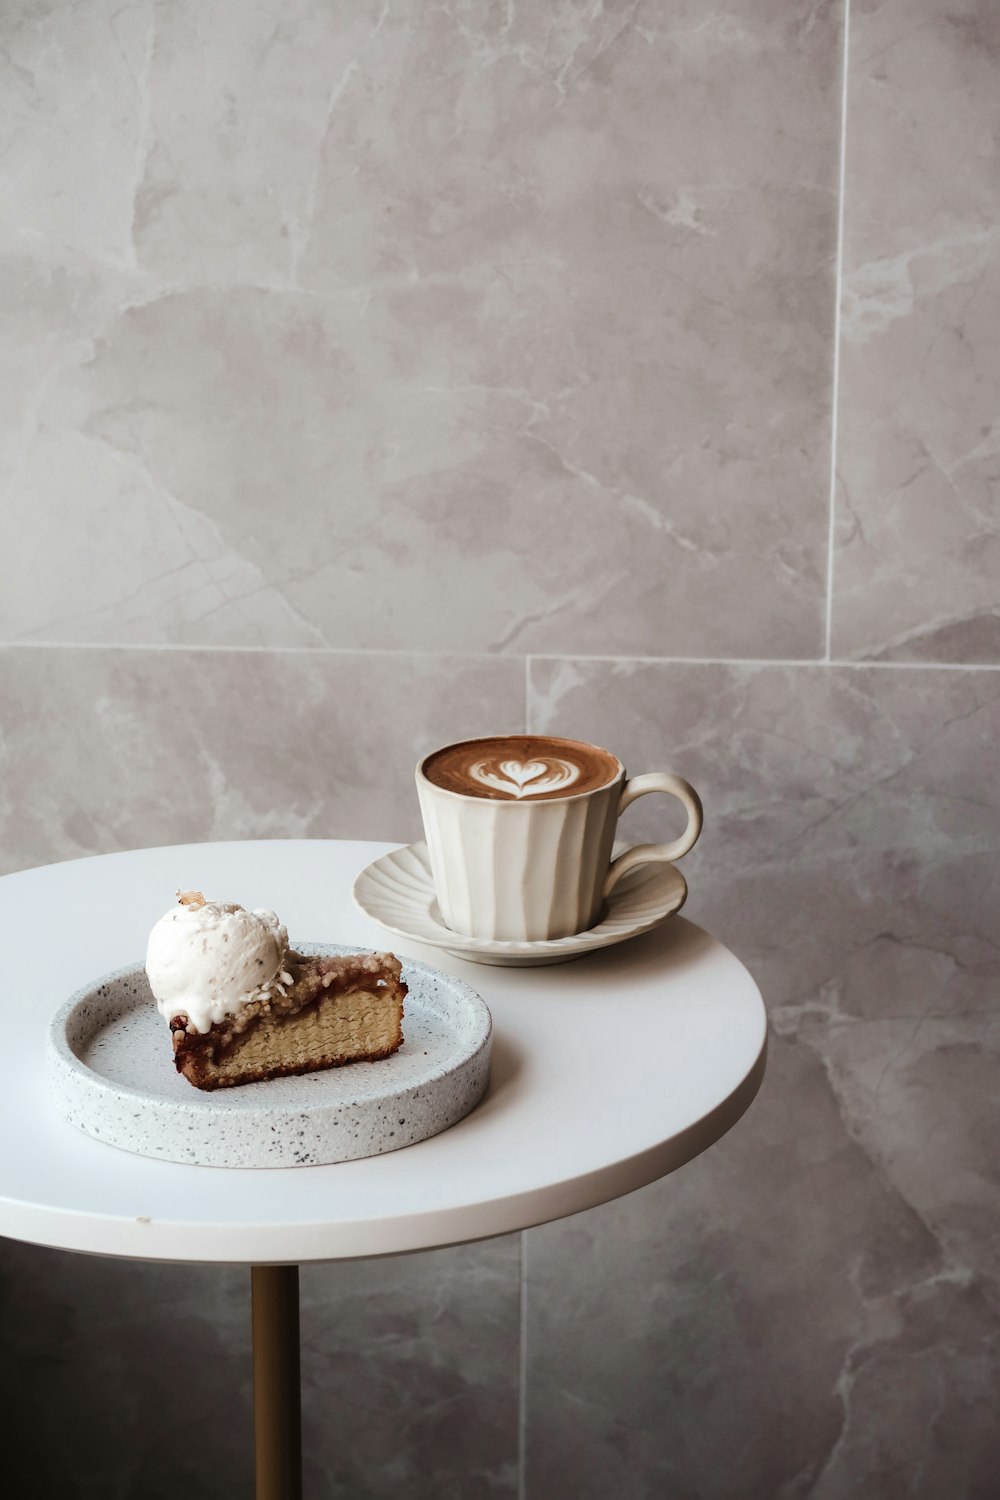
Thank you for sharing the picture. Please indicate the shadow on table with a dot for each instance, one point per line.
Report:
(507, 1060)
(675, 946)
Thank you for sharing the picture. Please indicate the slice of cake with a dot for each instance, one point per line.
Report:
(242, 1006)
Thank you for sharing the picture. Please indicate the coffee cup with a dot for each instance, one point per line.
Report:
(520, 830)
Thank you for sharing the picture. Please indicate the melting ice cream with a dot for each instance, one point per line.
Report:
(207, 959)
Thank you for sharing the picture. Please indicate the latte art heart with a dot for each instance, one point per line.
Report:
(516, 770)
(525, 778)
(520, 768)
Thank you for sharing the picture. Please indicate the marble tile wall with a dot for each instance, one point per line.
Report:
(917, 552)
(813, 1308)
(314, 303)
(124, 1379)
(377, 374)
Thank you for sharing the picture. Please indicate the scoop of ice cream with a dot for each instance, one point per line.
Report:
(207, 959)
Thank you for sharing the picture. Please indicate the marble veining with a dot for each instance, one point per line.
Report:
(849, 855)
(119, 749)
(354, 337)
(471, 282)
(918, 465)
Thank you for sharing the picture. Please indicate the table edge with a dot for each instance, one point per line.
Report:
(284, 1244)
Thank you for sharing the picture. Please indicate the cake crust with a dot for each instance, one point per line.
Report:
(326, 1012)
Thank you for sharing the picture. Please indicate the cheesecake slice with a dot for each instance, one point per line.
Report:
(244, 1007)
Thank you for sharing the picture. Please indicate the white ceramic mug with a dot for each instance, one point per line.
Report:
(513, 870)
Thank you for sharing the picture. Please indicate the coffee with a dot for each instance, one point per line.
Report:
(520, 834)
(521, 767)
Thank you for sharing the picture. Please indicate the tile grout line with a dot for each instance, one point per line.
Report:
(227, 649)
(522, 1371)
(838, 294)
(403, 653)
(859, 663)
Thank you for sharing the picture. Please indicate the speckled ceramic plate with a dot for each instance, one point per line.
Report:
(397, 891)
(111, 1067)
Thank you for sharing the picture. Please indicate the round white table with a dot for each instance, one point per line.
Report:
(608, 1072)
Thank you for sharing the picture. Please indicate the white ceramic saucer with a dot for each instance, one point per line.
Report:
(397, 891)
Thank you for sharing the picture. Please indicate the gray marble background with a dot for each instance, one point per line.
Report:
(377, 374)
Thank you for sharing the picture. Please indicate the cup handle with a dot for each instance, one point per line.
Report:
(641, 854)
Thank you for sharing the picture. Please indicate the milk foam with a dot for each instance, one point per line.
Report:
(520, 767)
(520, 778)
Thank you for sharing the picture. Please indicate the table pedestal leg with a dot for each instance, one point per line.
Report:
(277, 1420)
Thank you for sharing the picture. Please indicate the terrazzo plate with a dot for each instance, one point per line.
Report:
(397, 891)
(112, 1071)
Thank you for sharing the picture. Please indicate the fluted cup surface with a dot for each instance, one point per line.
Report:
(520, 830)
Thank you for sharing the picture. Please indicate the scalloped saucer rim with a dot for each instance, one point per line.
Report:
(403, 876)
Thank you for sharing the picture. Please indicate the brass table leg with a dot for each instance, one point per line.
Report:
(277, 1418)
